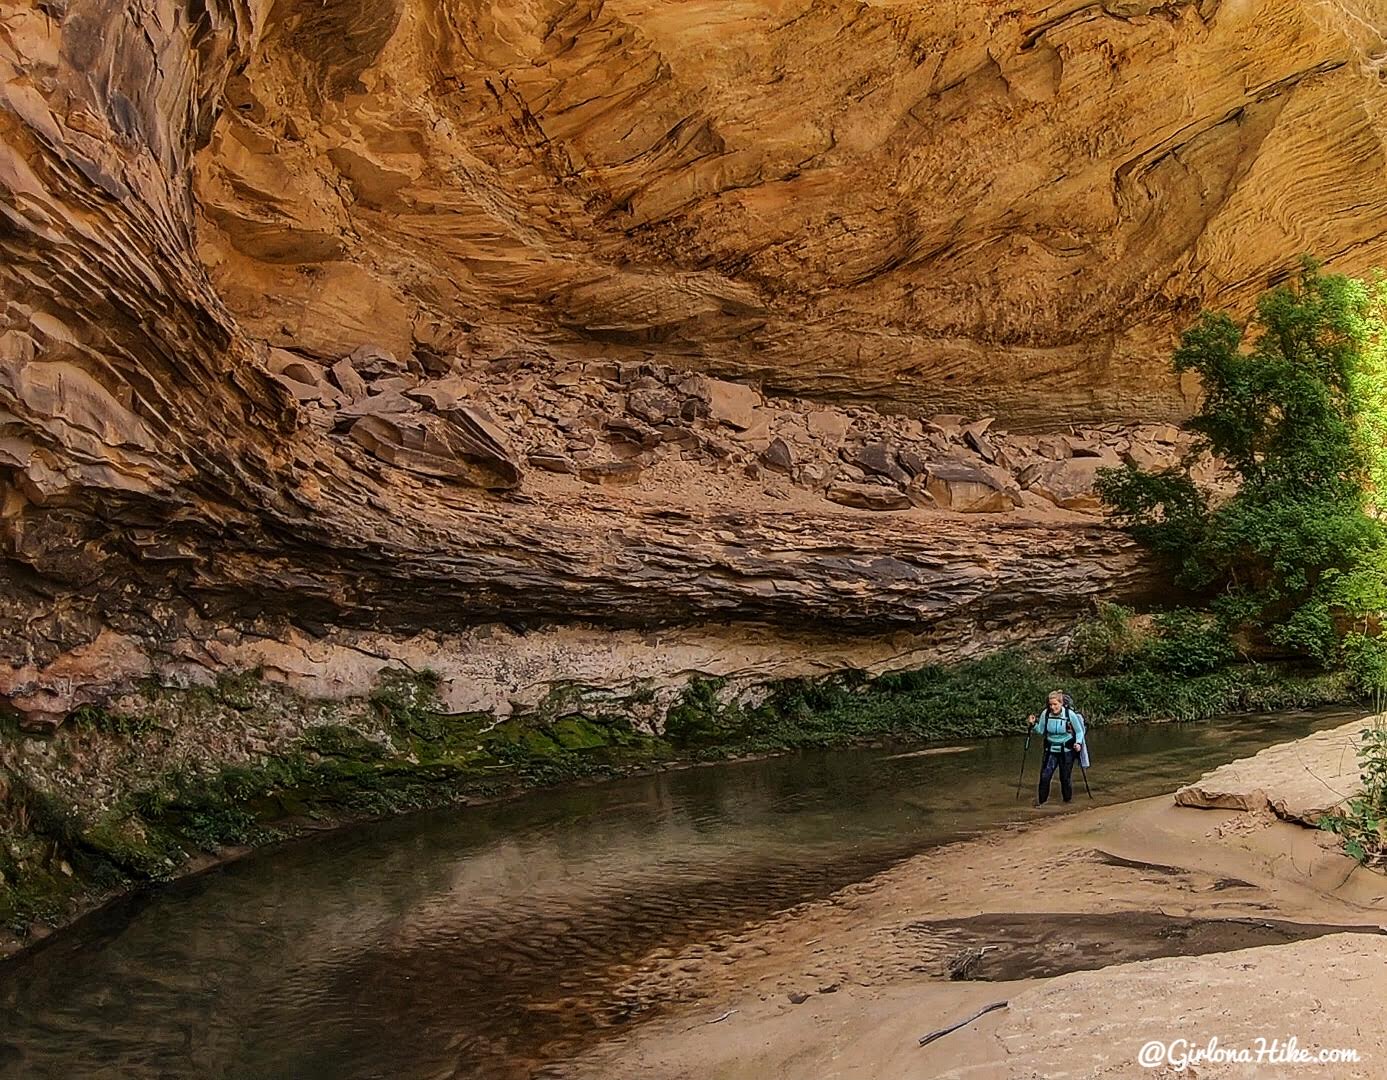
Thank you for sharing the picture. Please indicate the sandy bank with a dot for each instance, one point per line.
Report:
(1162, 900)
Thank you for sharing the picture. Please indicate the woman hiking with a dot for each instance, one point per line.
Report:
(1062, 728)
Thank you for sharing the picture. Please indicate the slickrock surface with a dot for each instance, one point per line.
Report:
(1093, 1024)
(1300, 781)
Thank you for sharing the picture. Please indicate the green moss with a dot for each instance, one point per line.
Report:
(139, 853)
(241, 690)
(95, 718)
(579, 733)
(701, 718)
(341, 741)
(408, 701)
(34, 895)
(975, 699)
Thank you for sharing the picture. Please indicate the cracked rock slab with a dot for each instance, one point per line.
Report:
(1298, 781)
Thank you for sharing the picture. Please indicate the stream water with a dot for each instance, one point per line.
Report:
(488, 941)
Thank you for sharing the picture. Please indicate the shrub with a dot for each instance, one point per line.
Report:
(1296, 408)
(1179, 642)
(1187, 642)
(1365, 658)
(1363, 820)
(1107, 642)
(700, 717)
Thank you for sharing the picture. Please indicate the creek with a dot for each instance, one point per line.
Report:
(495, 941)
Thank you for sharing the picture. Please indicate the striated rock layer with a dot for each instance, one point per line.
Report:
(268, 271)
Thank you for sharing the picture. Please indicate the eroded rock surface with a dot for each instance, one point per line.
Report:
(383, 315)
(996, 205)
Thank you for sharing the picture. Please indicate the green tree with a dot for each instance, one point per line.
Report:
(1294, 404)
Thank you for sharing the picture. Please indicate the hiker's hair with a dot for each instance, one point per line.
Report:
(1055, 694)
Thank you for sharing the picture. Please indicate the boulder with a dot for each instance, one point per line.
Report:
(389, 404)
(654, 406)
(429, 445)
(603, 371)
(714, 447)
(733, 404)
(284, 362)
(483, 440)
(554, 463)
(374, 362)
(876, 459)
(758, 436)
(828, 425)
(1084, 446)
(631, 432)
(612, 472)
(911, 462)
(1070, 483)
(779, 456)
(692, 408)
(437, 396)
(396, 383)
(630, 372)
(980, 444)
(1149, 457)
(918, 496)
(966, 489)
(950, 425)
(305, 392)
(677, 435)
(869, 496)
(349, 379)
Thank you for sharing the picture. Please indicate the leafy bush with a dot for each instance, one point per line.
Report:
(1297, 411)
(1179, 642)
(1363, 821)
(1365, 659)
(1187, 642)
(1106, 642)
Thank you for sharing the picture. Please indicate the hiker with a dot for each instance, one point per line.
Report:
(1062, 728)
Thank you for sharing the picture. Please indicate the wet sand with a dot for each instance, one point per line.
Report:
(1191, 922)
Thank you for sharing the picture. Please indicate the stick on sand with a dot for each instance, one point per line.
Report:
(925, 1040)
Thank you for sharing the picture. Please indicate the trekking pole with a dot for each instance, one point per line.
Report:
(1085, 775)
(1021, 775)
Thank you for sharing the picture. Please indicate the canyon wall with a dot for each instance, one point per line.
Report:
(344, 325)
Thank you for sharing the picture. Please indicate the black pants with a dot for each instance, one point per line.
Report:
(1064, 761)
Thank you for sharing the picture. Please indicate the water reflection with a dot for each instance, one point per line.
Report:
(477, 943)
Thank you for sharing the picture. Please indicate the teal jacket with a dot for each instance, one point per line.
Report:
(1055, 730)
